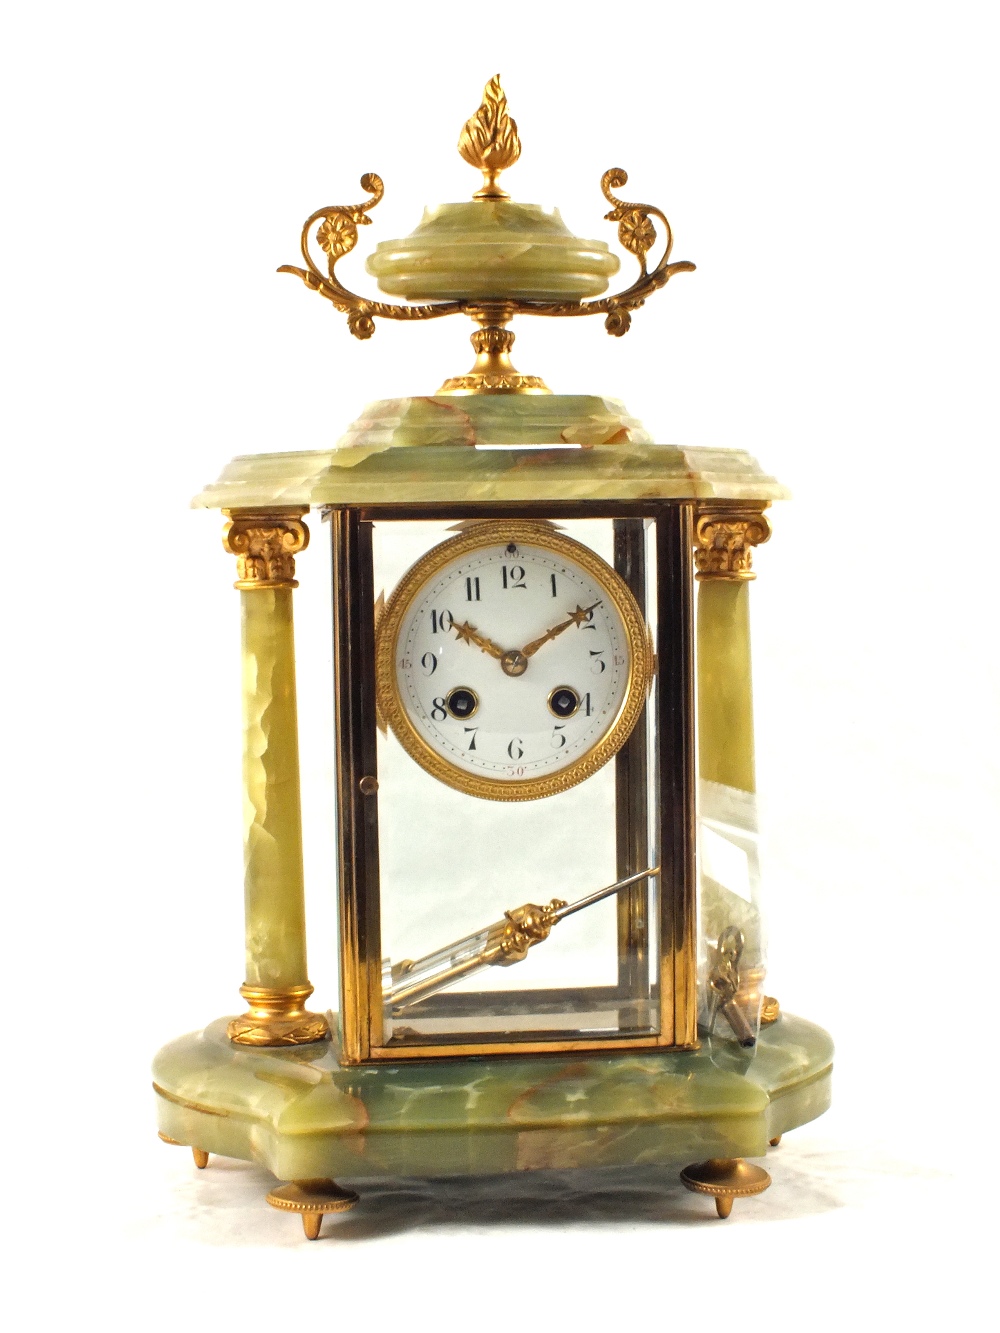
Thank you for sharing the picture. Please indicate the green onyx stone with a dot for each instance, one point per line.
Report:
(301, 1115)
(488, 448)
(489, 249)
(725, 689)
(272, 822)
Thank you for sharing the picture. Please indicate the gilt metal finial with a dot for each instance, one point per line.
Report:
(489, 140)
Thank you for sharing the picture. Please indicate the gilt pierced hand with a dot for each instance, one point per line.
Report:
(467, 633)
(576, 617)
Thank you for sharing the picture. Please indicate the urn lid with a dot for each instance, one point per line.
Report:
(492, 250)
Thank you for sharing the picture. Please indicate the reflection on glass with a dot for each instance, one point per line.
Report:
(732, 945)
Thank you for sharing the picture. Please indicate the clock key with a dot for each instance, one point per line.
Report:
(724, 982)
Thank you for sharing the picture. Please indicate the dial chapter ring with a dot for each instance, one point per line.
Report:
(493, 532)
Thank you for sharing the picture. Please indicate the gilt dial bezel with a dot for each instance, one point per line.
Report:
(491, 532)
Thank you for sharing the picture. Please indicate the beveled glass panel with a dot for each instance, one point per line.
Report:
(475, 944)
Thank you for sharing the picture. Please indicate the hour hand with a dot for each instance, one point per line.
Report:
(467, 633)
(576, 617)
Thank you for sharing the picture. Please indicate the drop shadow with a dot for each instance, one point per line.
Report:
(607, 1197)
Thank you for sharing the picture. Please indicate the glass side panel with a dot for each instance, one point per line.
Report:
(510, 663)
(732, 948)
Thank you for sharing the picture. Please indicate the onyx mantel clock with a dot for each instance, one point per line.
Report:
(551, 946)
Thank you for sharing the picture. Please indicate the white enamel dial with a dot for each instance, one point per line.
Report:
(518, 661)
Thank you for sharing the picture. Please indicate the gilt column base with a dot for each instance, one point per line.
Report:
(277, 1018)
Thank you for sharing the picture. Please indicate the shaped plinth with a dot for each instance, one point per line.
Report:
(298, 1113)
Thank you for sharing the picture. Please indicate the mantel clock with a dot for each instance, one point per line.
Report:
(551, 946)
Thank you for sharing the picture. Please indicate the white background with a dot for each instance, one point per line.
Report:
(831, 169)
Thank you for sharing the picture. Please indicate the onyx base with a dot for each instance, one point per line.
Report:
(299, 1114)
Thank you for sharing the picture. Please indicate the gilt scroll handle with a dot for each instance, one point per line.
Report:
(637, 234)
(337, 235)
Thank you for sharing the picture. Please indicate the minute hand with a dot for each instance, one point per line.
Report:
(576, 617)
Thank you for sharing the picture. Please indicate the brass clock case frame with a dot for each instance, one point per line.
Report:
(654, 783)
(393, 709)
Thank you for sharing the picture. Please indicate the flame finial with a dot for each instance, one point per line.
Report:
(489, 140)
